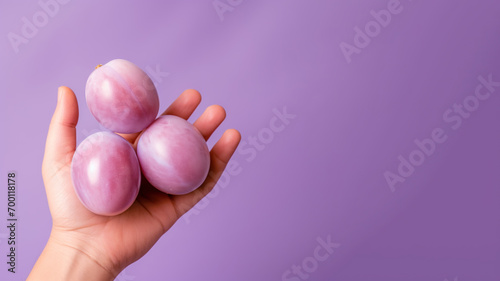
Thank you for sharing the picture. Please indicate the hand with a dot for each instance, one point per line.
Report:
(94, 247)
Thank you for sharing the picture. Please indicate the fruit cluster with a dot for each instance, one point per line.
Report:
(106, 170)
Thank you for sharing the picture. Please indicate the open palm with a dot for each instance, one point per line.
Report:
(117, 241)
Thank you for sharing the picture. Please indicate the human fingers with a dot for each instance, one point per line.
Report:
(183, 107)
(61, 138)
(185, 104)
(210, 120)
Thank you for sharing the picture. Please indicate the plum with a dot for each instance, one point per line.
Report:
(122, 97)
(173, 155)
(106, 173)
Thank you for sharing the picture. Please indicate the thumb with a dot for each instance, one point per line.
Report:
(61, 138)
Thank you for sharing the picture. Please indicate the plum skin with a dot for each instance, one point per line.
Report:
(122, 97)
(173, 155)
(106, 174)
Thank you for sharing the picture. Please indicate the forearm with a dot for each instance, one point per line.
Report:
(60, 262)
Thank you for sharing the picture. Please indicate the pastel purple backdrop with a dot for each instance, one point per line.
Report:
(359, 100)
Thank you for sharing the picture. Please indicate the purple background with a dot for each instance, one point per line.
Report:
(323, 175)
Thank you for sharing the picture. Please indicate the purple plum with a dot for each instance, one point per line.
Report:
(106, 173)
(122, 97)
(173, 155)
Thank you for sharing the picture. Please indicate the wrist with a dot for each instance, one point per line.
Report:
(63, 261)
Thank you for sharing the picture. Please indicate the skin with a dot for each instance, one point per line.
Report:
(86, 246)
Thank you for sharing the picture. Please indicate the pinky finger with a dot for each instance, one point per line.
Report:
(219, 157)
